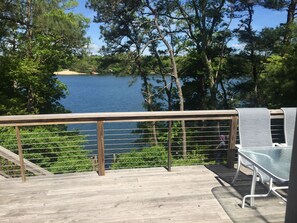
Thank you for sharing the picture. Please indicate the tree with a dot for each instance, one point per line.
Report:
(85, 64)
(38, 38)
(206, 34)
(154, 9)
(52, 148)
(135, 25)
(125, 29)
(290, 5)
(279, 78)
(248, 36)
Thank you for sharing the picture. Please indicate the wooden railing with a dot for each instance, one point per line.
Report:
(19, 121)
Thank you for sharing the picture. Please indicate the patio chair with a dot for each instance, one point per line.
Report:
(254, 131)
(289, 125)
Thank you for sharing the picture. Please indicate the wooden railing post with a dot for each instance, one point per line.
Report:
(100, 139)
(232, 141)
(20, 150)
(169, 146)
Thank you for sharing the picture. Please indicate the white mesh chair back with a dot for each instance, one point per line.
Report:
(254, 127)
(289, 124)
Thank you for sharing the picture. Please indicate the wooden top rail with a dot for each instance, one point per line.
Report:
(72, 118)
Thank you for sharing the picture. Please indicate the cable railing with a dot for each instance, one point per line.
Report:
(33, 145)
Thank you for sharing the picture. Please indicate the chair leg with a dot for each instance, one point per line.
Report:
(237, 171)
(252, 196)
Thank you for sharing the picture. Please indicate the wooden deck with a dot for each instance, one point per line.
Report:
(187, 194)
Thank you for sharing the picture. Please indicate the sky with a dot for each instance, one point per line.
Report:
(262, 18)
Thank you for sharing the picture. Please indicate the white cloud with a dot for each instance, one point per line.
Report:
(94, 48)
(235, 44)
(238, 46)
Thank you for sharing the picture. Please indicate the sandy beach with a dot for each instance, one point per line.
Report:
(69, 72)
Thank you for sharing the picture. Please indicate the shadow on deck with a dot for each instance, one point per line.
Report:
(270, 209)
(187, 194)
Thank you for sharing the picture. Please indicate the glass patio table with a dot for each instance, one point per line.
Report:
(274, 162)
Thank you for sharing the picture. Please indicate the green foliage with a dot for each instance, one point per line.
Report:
(195, 156)
(27, 89)
(119, 64)
(195, 91)
(215, 76)
(279, 80)
(85, 64)
(36, 38)
(52, 148)
(40, 37)
(32, 48)
(155, 156)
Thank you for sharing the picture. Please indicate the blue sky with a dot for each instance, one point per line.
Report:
(262, 18)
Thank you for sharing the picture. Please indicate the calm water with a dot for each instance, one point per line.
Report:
(102, 94)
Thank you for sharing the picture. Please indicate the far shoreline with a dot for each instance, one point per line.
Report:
(67, 72)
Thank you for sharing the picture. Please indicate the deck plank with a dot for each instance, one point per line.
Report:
(187, 194)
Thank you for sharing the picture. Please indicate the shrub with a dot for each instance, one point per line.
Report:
(147, 157)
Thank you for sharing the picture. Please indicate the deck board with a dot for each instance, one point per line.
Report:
(187, 194)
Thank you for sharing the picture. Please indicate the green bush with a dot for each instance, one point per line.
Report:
(194, 157)
(147, 157)
(157, 156)
(51, 147)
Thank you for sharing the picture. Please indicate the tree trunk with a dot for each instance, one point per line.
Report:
(291, 11)
(29, 27)
(29, 37)
(175, 75)
(167, 88)
(147, 98)
(290, 20)
(212, 82)
(252, 54)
